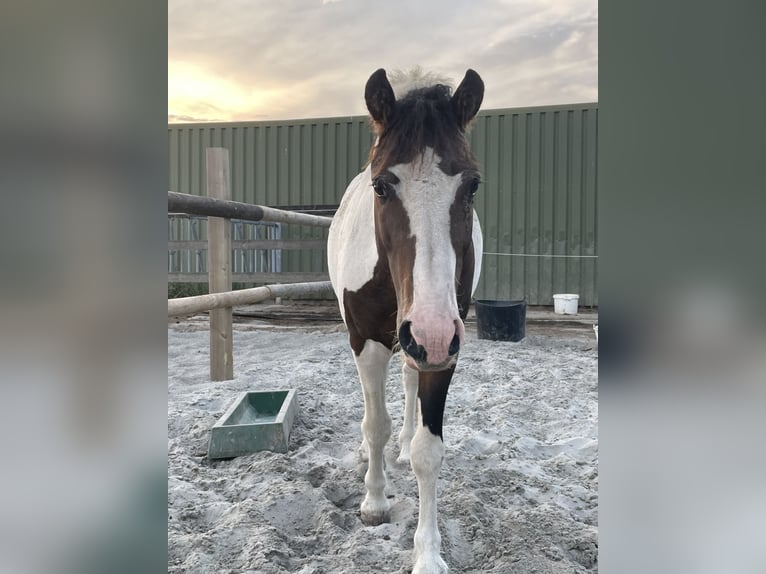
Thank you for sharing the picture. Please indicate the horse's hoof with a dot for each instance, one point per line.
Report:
(375, 515)
(375, 518)
(430, 565)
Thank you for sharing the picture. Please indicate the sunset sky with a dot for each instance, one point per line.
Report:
(244, 60)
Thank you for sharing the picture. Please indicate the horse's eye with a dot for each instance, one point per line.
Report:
(382, 188)
(474, 187)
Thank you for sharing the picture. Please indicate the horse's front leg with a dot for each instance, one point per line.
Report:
(372, 365)
(427, 452)
(410, 384)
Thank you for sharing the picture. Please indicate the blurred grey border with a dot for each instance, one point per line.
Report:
(682, 367)
(82, 247)
(83, 173)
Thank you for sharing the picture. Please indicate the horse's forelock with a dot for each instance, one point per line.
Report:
(424, 118)
(405, 81)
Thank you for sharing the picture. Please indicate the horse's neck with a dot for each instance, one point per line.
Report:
(352, 252)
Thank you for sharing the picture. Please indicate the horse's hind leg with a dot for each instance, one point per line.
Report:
(372, 365)
(410, 384)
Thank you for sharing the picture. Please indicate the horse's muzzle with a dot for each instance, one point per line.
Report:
(419, 354)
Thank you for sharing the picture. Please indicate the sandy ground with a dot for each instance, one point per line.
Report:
(518, 490)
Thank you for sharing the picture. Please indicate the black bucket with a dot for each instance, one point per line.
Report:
(501, 320)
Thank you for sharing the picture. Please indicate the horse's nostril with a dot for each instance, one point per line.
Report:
(454, 346)
(407, 341)
(404, 332)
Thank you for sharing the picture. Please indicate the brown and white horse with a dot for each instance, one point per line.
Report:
(404, 254)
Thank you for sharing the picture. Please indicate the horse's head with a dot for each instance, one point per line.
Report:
(424, 178)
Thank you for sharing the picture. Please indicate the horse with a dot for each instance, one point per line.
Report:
(404, 257)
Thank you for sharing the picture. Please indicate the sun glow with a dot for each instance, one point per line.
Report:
(196, 94)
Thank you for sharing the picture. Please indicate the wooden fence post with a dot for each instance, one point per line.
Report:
(219, 265)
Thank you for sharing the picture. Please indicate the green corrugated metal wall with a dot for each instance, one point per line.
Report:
(537, 204)
(288, 163)
(538, 199)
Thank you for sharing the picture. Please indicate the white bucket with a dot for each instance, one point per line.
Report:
(565, 303)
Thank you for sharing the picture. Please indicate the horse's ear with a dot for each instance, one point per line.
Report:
(379, 96)
(467, 98)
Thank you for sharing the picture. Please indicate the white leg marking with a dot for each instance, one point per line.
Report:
(372, 365)
(410, 384)
(427, 455)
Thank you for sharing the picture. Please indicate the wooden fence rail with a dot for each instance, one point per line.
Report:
(258, 277)
(219, 209)
(198, 303)
(197, 205)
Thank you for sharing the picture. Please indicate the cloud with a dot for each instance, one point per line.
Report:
(175, 119)
(311, 58)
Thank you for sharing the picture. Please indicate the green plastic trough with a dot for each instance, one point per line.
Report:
(255, 421)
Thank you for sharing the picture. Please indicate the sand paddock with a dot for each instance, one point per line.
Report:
(518, 490)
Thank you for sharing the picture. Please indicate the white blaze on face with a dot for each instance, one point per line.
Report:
(427, 194)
